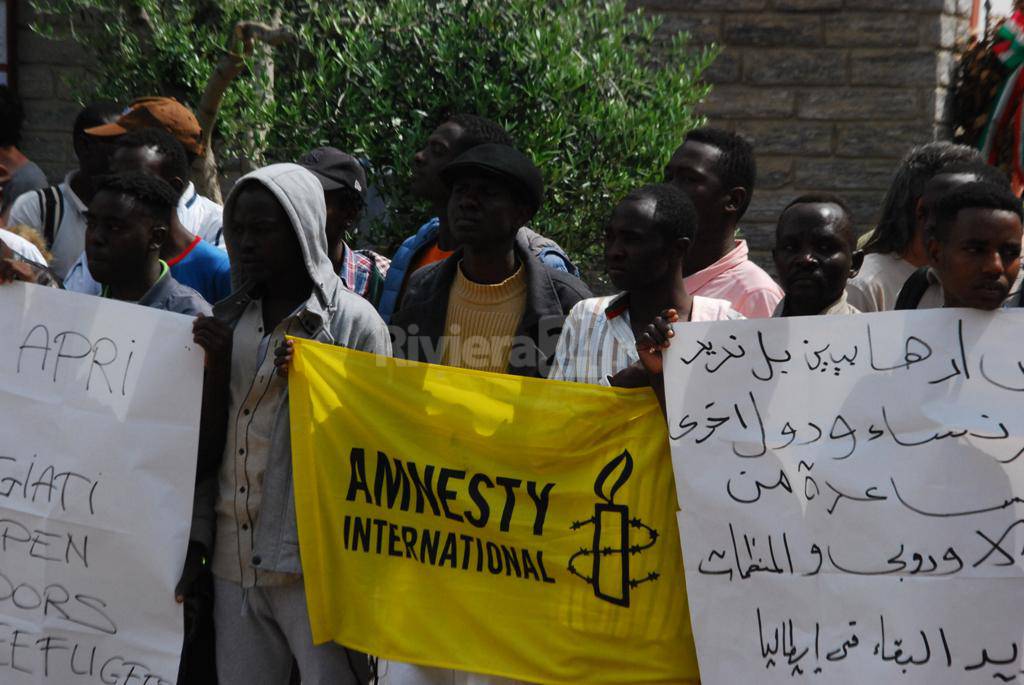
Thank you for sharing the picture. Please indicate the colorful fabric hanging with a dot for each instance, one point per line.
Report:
(1004, 130)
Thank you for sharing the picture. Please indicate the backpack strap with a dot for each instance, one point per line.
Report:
(913, 290)
(55, 213)
(51, 212)
(41, 199)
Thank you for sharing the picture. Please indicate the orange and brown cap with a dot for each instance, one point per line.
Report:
(157, 112)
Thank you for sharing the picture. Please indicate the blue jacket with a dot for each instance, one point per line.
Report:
(543, 248)
(400, 264)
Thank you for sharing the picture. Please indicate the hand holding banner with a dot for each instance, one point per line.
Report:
(487, 523)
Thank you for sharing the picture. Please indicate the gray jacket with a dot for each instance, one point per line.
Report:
(332, 315)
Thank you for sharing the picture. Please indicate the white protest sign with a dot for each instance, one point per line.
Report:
(850, 492)
(99, 416)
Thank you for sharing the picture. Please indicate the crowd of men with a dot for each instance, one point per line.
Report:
(475, 286)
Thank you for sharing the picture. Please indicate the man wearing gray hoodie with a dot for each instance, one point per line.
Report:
(284, 284)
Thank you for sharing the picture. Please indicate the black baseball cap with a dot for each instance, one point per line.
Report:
(335, 169)
(501, 160)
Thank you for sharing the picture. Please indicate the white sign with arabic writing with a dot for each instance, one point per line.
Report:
(99, 415)
(851, 493)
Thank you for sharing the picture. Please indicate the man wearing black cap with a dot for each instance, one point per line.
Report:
(434, 241)
(493, 305)
(344, 182)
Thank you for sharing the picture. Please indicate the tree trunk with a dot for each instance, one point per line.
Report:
(240, 46)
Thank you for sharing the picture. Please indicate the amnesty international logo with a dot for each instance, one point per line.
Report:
(610, 548)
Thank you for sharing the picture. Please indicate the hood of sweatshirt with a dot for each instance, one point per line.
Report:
(302, 197)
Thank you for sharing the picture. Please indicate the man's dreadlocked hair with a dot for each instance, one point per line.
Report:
(896, 227)
(477, 130)
(154, 194)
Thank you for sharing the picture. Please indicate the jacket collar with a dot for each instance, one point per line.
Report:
(541, 297)
(313, 314)
(161, 290)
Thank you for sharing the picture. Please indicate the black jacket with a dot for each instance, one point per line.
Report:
(417, 328)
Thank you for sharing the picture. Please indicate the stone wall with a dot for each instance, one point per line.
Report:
(832, 92)
(45, 73)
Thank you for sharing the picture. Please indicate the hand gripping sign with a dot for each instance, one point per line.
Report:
(486, 522)
(851, 496)
(99, 416)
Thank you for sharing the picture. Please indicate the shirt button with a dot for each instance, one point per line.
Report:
(241, 451)
(256, 560)
(245, 411)
(245, 526)
(242, 489)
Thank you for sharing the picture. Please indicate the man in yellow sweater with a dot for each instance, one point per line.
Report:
(491, 306)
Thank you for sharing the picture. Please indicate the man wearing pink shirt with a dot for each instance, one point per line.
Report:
(717, 170)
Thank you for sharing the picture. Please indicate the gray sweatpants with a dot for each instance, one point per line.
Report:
(259, 630)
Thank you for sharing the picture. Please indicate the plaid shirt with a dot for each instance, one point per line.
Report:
(363, 272)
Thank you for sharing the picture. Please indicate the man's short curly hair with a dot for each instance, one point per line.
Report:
(736, 166)
(675, 216)
(154, 194)
(985, 173)
(175, 164)
(971, 196)
(823, 198)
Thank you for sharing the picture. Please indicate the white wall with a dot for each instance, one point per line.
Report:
(1000, 7)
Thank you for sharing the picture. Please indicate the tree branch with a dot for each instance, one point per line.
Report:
(240, 46)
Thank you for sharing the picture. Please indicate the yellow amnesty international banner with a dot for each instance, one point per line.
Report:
(488, 523)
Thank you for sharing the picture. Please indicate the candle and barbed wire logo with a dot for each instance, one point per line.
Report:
(611, 548)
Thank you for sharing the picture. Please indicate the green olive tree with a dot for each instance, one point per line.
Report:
(592, 90)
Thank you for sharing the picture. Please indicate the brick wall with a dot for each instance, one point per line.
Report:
(832, 92)
(45, 72)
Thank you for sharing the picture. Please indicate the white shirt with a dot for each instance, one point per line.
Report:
(22, 247)
(70, 239)
(202, 216)
(879, 281)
